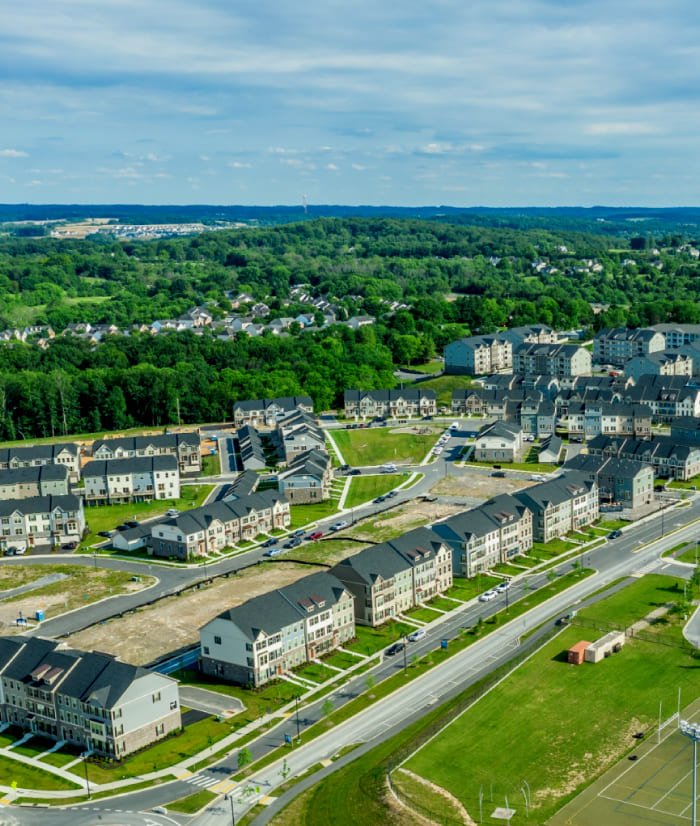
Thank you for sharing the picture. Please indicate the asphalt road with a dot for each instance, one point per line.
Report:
(614, 560)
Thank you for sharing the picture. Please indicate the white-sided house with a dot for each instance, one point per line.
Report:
(267, 412)
(398, 404)
(185, 446)
(141, 479)
(41, 521)
(498, 442)
(267, 636)
(307, 478)
(45, 480)
(90, 700)
(561, 505)
(68, 454)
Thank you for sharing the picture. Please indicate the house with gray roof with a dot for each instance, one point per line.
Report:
(271, 634)
(552, 360)
(250, 448)
(397, 575)
(41, 521)
(184, 446)
(549, 450)
(669, 456)
(267, 412)
(561, 505)
(591, 418)
(90, 700)
(307, 478)
(663, 363)
(67, 454)
(686, 428)
(44, 480)
(488, 535)
(396, 404)
(530, 334)
(298, 432)
(498, 442)
(138, 479)
(620, 481)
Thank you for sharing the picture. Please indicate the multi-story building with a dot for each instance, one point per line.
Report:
(478, 355)
(686, 428)
(552, 360)
(530, 334)
(620, 481)
(307, 478)
(250, 448)
(41, 521)
(184, 446)
(89, 700)
(663, 363)
(396, 404)
(45, 480)
(561, 505)
(394, 576)
(618, 345)
(590, 419)
(141, 479)
(488, 535)
(205, 530)
(498, 442)
(68, 455)
(267, 412)
(267, 636)
(298, 432)
(668, 456)
(678, 335)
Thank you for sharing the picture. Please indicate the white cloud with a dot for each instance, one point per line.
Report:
(13, 153)
(331, 166)
(238, 165)
(622, 128)
(358, 167)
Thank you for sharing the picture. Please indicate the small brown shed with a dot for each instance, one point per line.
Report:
(576, 652)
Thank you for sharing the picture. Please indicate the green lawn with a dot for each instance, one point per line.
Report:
(107, 517)
(688, 484)
(302, 515)
(614, 524)
(443, 604)
(435, 366)
(34, 747)
(192, 803)
(690, 554)
(422, 614)
(341, 659)
(365, 488)
(371, 640)
(466, 589)
(562, 742)
(211, 466)
(31, 777)
(375, 446)
(315, 672)
(633, 603)
(443, 387)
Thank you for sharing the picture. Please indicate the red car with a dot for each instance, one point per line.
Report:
(315, 535)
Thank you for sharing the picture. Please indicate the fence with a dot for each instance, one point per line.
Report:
(635, 633)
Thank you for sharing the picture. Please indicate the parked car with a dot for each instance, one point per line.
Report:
(172, 512)
(487, 596)
(391, 494)
(378, 500)
(537, 477)
(298, 532)
(454, 426)
(268, 543)
(131, 523)
(499, 473)
(20, 550)
(273, 552)
(614, 534)
(416, 635)
(69, 546)
(502, 587)
(122, 528)
(354, 471)
(396, 648)
(12, 550)
(315, 535)
(293, 543)
(345, 468)
(106, 534)
(338, 526)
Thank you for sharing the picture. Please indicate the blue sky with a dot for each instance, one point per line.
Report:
(464, 102)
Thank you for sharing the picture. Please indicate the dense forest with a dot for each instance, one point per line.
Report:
(455, 279)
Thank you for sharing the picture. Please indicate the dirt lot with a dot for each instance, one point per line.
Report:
(479, 485)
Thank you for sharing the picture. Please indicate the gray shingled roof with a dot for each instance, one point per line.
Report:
(39, 473)
(40, 504)
(136, 443)
(132, 465)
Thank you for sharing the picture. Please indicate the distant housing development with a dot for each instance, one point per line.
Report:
(396, 404)
(267, 412)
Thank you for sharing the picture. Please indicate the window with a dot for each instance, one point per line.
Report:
(217, 640)
(156, 697)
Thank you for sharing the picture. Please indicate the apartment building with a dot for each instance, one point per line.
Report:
(141, 479)
(269, 635)
(617, 345)
(184, 446)
(552, 360)
(478, 355)
(663, 363)
(620, 481)
(561, 505)
(396, 404)
(90, 700)
(591, 418)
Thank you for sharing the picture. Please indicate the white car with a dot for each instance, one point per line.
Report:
(487, 596)
(502, 587)
(414, 636)
(454, 426)
(537, 477)
(338, 526)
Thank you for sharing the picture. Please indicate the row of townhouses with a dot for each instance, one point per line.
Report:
(307, 478)
(267, 412)
(184, 446)
(90, 700)
(68, 455)
(41, 521)
(620, 481)
(26, 482)
(140, 479)
(395, 404)
(669, 456)
(298, 432)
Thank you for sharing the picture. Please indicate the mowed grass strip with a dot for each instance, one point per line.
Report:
(365, 488)
(375, 446)
(572, 722)
(193, 802)
(31, 777)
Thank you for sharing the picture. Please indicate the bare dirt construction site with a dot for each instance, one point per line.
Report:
(479, 485)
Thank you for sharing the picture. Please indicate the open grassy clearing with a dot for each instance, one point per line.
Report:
(211, 465)
(326, 551)
(375, 446)
(435, 366)
(31, 777)
(422, 614)
(422, 797)
(365, 488)
(193, 802)
(371, 640)
(443, 387)
(562, 741)
(302, 515)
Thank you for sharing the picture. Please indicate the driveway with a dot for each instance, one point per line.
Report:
(210, 701)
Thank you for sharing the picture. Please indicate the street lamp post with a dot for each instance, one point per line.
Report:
(87, 779)
(692, 730)
(296, 699)
(229, 797)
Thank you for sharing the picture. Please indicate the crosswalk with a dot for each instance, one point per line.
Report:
(647, 569)
(206, 781)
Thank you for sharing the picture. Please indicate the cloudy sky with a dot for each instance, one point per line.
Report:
(461, 102)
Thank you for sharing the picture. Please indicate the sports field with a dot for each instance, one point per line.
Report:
(654, 790)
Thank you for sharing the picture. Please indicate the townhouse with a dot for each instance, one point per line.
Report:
(391, 577)
(271, 634)
(478, 355)
(266, 412)
(668, 456)
(395, 404)
(210, 528)
(498, 442)
(184, 446)
(41, 521)
(90, 700)
(591, 418)
(139, 479)
(561, 505)
(488, 535)
(68, 455)
(298, 432)
(617, 345)
(620, 481)
(45, 480)
(250, 448)
(686, 428)
(552, 360)
(307, 478)
(663, 363)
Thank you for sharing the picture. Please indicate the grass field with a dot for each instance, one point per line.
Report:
(30, 777)
(365, 488)
(375, 446)
(562, 741)
(302, 515)
(443, 387)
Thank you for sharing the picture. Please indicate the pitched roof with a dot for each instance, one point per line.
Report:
(132, 465)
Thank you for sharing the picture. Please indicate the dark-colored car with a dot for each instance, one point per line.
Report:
(122, 528)
(391, 494)
(429, 498)
(293, 543)
(268, 543)
(69, 546)
(378, 499)
(345, 468)
(499, 473)
(131, 523)
(614, 534)
(396, 648)
(354, 472)
(298, 532)
(106, 534)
